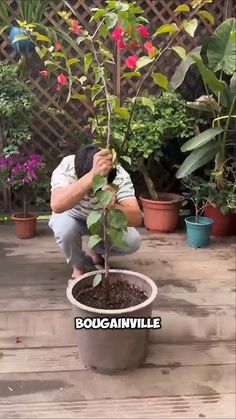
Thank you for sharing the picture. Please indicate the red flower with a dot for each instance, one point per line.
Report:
(75, 27)
(118, 33)
(58, 47)
(144, 32)
(121, 44)
(44, 73)
(62, 79)
(150, 48)
(18, 340)
(131, 61)
(58, 88)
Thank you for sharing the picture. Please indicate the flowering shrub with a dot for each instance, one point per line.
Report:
(22, 171)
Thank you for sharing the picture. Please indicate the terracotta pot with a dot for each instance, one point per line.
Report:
(109, 351)
(223, 224)
(25, 227)
(162, 215)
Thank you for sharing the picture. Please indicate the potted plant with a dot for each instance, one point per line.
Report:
(159, 123)
(23, 171)
(110, 293)
(198, 227)
(29, 11)
(216, 63)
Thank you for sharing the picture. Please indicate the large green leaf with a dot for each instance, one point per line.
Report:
(88, 59)
(97, 280)
(221, 50)
(98, 182)
(161, 80)
(182, 69)
(209, 78)
(116, 237)
(93, 218)
(190, 26)
(94, 240)
(4, 15)
(104, 197)
(197, 159)
(143, 61)
(116, 218)
(201, 139)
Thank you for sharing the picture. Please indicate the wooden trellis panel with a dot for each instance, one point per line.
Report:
(49, 130)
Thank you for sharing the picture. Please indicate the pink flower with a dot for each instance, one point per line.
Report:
(62, 79)
(75, 27)
(121, 44)
(58, 47)
(131, 61)
(150, 48)
(58, 88)
(118, 33)
(44, 74)
(144, 32)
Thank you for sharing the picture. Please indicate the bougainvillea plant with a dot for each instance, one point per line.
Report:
(86, 75)
(22, 171)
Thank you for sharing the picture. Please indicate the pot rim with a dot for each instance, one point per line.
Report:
(145, 303)
(15, 216)
(162, 194)
(210, 221)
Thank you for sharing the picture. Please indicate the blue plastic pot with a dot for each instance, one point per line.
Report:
(198, 234)
(23, 46)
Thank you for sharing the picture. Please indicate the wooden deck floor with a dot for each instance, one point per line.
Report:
(190, 370)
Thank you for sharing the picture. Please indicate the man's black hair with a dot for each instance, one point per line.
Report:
(84, 161)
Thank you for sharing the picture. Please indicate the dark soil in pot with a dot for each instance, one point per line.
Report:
(122, 295)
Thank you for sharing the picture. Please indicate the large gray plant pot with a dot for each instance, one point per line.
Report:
(112, 350)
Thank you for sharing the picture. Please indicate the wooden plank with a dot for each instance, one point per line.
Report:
(211, 406)
(159, 356)
(53, 297)
(87, 385)
(179, 325)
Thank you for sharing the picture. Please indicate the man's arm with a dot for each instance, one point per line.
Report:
(65, 198)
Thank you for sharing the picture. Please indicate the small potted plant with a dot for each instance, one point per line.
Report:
(23, 171)
(110, 293)
(198, 226)
(160, 123)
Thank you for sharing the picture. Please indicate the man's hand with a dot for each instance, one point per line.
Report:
(102, 163)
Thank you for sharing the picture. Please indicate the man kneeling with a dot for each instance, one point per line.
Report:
(72, 200)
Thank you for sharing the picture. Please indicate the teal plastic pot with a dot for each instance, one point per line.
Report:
(198, 234)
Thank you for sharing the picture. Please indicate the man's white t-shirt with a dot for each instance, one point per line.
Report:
(65, 175)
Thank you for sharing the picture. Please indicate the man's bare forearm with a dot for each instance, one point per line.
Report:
(63, 199)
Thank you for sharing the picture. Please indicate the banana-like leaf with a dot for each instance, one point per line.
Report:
(221, 49)
(205, 103)
(197, 159)
(201, 139)
(183, 68)
(4, 15)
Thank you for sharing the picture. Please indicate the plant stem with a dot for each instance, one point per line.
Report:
(149, 183)
(106, 256)
(227, 126)
(25, 206)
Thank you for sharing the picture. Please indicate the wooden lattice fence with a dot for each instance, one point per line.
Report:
(49, 128)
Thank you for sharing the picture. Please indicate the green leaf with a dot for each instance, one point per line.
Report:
(183, 68)
(116, 218)
(221, 50)
(143, 61)
(197, 159)
(93, 218)
(180, 51)
(97, 280)
(208, 16)
(82, 79)
(79, 96)
(3, 28)
(41, 37)
(161, 80)
(190, 26)
(98, 73)
(104, 51)
(72, 61)
(209, 77)
(103, 30)
(41, 52)
(116, 237)
(88, 59)
(99, 101)
(98, 182)
(131, 74)
(96, 90)
(168, 28)
(98, 14)
(126, 159)
(201, 139)
(122, 112)
(146, 101)
(4, 12)
(182, 8)
(94, 240)
(224, 209)
(20, 38)
(104, 197)
(111, 20)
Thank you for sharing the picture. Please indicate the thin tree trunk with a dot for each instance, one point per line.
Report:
(149, 183)
(25, 206)
(106, 256)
